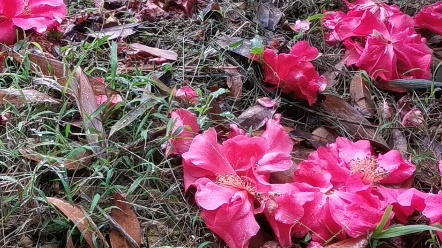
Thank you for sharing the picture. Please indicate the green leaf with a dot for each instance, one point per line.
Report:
(397, 231)
(257, 46)
(235, 45)
(383, 222)
(315, 17)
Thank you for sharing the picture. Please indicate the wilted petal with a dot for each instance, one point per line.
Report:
(413, 118)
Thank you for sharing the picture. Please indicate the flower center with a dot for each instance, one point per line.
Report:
(369, 169)
(235, 181)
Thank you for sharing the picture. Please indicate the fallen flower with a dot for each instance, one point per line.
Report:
(413, 118)
(345, 176)
(380, 9)
(430, 18)
(187, 94)
(392, 49)
(330, 20)
(187, 122)
(40, 15)
(293, 72)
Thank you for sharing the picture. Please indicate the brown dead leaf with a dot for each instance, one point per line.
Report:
(87, 105)
(127, 219)
(234, 80)
(237, 45)
(324, 134)
(354, 123)
(400, 142)
(81, 161)
(268, 16)
(255, 117)
(331, 74)
(350, 243)
(18, 97)
(80, 220)
(120, 31)
(361, 96)
(146, 51)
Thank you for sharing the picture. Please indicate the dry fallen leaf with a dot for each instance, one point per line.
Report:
(87, 105)
(234, 80)
(361, 96)
(127, 219)
(18, 97)
(268, 16)
(80, 162)
(255, 117)
(352, 121)
(78, 217)
(147, 51)
(120, 31)
(350, 243)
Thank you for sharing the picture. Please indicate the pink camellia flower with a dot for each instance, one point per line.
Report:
(346, 176)
(392, 49)
(378, 7)
(293, 72)
(187, 94)
(432, 209)
(430, 18)
(40, 15)
(186, 121)
(233, 176)
(413, 118)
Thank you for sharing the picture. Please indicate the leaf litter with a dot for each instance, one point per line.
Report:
(205, 48)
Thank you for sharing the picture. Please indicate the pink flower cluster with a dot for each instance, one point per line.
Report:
(341, 190)
(380, 39)
(40, 15)
(294, 72)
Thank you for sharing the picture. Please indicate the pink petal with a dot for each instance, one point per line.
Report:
(311, 173)
(301, 26)
(234, 222)
(430, 17)
(349, 151)
(211, 196)
(187, 94)
(356, 217)
(317, 220)
(235, 131)
(181, 142)
(242, 150)
(284, 209)
(304, 51)
(8, 31)
(399, 169)
(266, 102)
(205, 158)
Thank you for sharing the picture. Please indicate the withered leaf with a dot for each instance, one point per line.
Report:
(255, 117)
(18, 97)
(360, 242)
(234, 80)
(152, 51)
(80, 220)
(81, 161)
(127, 219)
(361, 96)
(354, 123)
